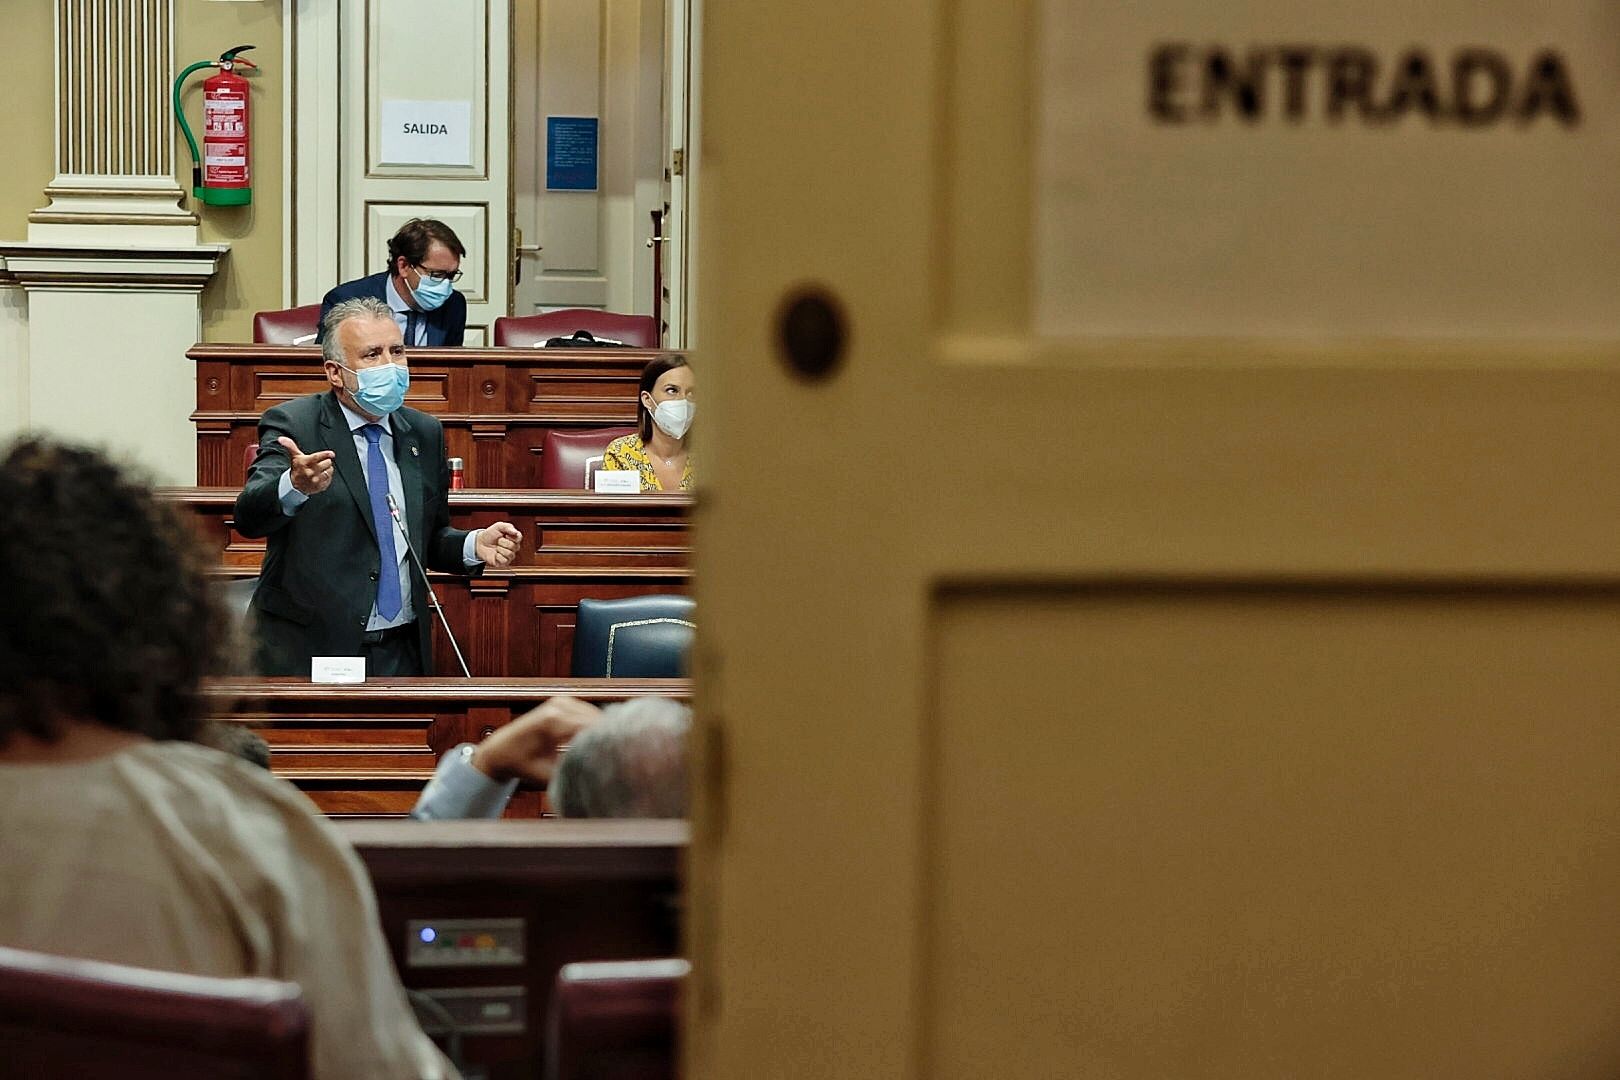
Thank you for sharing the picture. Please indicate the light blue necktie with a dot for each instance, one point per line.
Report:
(388, 601)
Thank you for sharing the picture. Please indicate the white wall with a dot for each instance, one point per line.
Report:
(118, 378)
(13, 361)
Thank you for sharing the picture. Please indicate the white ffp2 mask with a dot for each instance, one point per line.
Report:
(674, 417)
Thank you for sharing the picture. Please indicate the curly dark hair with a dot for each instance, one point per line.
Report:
(108, 614)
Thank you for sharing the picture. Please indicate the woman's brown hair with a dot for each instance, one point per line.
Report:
(656, 369)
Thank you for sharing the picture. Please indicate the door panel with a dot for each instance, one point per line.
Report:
(1289, 817)
(603, 60)
(389, 57)
(1127, 707)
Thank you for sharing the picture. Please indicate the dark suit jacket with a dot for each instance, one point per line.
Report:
(319, 579)
(445, 326)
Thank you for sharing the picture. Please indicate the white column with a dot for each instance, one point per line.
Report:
(112, 270)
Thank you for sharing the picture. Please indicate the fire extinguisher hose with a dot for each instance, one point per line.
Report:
(191, 140)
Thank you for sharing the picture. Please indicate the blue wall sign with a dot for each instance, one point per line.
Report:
(571, 153)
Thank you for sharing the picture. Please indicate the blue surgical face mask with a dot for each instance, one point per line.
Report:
(381, 388)
(431, 292)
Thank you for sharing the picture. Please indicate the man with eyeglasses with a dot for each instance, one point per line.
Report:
(424, 263)
(331, 470)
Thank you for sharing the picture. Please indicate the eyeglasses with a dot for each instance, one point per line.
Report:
(452, 276)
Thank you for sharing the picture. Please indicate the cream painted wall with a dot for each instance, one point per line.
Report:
(250, 278)
(27, 123)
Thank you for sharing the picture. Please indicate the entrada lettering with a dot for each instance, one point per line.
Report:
(1472, 88)
(426, 129)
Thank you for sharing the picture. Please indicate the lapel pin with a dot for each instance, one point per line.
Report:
(415, 452)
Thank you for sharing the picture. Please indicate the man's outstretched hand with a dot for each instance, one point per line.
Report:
(311, 473)
(527, 748)
(498, 545)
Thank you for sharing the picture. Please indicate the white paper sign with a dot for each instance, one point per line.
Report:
(618, 482)
(1302, 170)
(427, 133)
(337, 669)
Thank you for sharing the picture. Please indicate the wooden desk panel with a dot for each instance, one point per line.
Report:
(368, 750)
(587, 890)
(496, 404)
(520, 622)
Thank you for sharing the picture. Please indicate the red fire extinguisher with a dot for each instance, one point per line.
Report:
(220, 175)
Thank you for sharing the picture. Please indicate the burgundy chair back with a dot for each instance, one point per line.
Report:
(63, 1017)
(636, 331)
(568, 459)
(616, 1020)
(287, 326)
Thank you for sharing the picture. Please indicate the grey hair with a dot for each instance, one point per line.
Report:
(368, 307)
(630, 764)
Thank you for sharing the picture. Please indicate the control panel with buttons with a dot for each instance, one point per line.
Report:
(438, 943)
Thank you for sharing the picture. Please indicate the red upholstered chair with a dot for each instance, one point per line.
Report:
(636, 331)
(70, 1018)
(615, 1020)
(568, 459)
(288, 327)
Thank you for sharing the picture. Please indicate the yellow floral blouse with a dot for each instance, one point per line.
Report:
(629, 453)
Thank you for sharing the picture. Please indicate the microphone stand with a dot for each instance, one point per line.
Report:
(393, 512)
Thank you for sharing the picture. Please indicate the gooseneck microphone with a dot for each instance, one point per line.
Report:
(393, 512)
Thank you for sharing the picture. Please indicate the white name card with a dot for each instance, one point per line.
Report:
(337, 669)
(427, 133)
(618, 482)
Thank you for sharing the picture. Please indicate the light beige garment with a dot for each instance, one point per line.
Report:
(176, 857)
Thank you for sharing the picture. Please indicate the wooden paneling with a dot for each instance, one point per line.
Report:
(368, 750)
(586, 890)
(518, 623)
(495, 404)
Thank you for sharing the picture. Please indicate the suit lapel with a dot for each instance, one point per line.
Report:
(346, 459)
(408, 456)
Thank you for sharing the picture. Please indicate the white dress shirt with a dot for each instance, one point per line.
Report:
(402, 312)
(459, 789)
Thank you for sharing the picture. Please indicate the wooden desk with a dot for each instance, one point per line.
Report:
(588, 890)
(518, 623)
(367, 750)
(496, 404)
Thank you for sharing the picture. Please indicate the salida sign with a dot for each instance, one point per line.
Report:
(1469, 87)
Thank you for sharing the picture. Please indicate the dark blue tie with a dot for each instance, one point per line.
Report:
(388, 601)
(412, 320)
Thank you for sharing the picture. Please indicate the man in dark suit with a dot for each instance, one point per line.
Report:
(336, 579)
(424, 261)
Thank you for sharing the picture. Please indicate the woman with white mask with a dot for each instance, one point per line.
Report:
(660, 450)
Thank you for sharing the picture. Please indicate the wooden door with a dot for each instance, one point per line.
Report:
(429, 65)
(674, 245)
(587, 69)
(1098, 681)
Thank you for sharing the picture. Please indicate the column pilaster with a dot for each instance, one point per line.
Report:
(114, 181)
